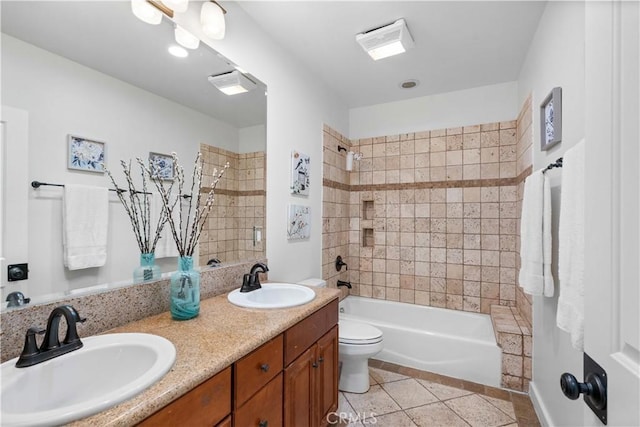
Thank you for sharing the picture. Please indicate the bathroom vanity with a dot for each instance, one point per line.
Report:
(243, 367)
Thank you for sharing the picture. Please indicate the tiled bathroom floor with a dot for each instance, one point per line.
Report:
(401, 397)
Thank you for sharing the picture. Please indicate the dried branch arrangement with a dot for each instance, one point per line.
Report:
(193, 217)
(138, 207)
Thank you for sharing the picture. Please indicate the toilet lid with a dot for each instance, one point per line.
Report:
(351, 332)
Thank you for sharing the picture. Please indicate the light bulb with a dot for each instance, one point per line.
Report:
(185, 38)
(145, 12)
(212, 20)
(177, 5)
(178, 51)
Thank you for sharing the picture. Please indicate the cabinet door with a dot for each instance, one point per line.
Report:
(299, 383)
(327, 386)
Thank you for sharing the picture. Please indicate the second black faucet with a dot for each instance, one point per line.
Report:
(251, 281)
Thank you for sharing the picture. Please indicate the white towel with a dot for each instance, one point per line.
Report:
(85, 220)
(535, 237)
(166, 246)
(570, 316)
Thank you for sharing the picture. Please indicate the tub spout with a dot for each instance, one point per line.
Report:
(343, 283)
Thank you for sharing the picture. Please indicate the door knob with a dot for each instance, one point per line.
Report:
(593, 389)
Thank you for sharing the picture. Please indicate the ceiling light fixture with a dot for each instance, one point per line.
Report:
(409, 84)
(177, 5)
(386, 41)
(178, 51)
(146, 12)
(212, 20)
(185, 39)
(232, 83)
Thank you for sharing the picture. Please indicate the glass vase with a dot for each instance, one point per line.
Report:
(148, 269)
(185, 290)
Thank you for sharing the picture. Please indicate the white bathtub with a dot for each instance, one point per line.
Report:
(448, 342)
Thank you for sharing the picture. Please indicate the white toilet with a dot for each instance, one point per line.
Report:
(358, 342)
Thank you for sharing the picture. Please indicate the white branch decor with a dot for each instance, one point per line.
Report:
(186, 232)
(138, 207)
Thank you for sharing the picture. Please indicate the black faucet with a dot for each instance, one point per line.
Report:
(343, 283)
(51, 346)
(16, 299)
(251, 281)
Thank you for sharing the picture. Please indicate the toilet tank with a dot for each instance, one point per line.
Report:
(314, 281)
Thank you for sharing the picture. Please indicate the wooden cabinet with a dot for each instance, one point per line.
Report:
(206, 405)
(311, 384)
(292, 380)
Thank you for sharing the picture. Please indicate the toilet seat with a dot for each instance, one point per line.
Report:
(357, 333)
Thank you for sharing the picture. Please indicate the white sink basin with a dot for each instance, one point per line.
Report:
(273, 295)
(107, 370)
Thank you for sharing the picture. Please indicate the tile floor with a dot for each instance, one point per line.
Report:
(401, 397)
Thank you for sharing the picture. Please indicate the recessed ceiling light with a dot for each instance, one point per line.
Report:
(409, 84)
(178, 51)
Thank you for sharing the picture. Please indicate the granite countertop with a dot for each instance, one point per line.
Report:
(220, 335)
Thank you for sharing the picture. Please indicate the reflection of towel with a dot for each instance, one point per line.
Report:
(535, 236)
(570, 316)
(166, 246)
(85, 221)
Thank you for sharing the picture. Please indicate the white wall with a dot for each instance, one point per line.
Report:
(555, 58)
(484, 104)
(252, 139)
(297, 106)
(63, 97)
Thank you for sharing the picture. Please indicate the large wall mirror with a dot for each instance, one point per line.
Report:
(92, 69)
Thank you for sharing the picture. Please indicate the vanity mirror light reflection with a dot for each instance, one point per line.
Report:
(92, 69)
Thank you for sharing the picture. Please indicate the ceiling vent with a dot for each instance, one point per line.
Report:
(386, 41)
(232, 83)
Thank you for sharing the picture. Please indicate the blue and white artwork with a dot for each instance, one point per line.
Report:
(299, 223)
(86, 154)
(161, 165)
(548, 122)
(300, 167)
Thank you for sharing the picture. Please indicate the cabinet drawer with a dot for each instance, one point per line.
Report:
(264, 409)
(256, 369)
(299, 337)
(205, 405)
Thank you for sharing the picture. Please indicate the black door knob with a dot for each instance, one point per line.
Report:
(593, 388)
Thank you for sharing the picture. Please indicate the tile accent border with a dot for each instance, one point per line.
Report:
(525, 413)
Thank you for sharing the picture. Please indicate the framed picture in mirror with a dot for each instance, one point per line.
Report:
(551, 119)
(85, 154)
(162, 166)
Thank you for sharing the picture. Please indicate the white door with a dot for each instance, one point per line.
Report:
(612, 220)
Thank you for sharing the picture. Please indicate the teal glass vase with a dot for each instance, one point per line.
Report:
(148, 270)
(185, 290)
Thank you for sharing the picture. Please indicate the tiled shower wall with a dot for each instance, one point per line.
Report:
(239, 205)
(434, 217)
(335, 209)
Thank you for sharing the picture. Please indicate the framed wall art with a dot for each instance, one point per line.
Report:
(300, 169)
(551, 119)
(299, 222)
(85, 154)
(161, 166)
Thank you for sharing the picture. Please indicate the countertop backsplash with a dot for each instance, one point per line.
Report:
(115, 307)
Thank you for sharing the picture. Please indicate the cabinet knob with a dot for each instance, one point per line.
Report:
(321, 359)
(263, 423)
(314, 364)
(264, 368)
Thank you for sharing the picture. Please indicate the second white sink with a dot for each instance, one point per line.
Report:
(273, 295)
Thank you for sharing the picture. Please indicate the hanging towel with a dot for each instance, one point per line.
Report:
(570, 316)
(85, 221)
(166, 246)
(535, 237)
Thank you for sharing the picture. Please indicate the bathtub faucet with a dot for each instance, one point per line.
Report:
(343, 283)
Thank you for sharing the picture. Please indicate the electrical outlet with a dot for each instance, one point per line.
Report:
(17, 272)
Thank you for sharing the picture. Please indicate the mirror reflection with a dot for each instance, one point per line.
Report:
(92, 69)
